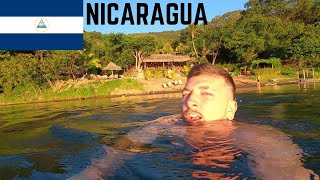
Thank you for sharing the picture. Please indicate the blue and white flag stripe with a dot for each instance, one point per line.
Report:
(41, 25)
(27, 25)
(41, 41)
(41, 8)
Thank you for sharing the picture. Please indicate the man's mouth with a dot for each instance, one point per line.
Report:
(192, 117)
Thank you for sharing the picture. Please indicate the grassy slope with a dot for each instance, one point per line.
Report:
(72, 91)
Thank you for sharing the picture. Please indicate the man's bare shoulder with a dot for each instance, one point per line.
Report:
(272, 153)
(171, 119)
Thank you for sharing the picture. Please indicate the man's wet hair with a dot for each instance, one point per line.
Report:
(207, 69)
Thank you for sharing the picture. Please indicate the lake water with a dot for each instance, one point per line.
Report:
(62, 139)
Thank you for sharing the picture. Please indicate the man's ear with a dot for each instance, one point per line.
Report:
(231, 109)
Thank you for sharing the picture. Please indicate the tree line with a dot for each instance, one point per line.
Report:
(266, 29)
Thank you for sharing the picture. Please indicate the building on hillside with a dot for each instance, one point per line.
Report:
(112, 67)
(164, 61)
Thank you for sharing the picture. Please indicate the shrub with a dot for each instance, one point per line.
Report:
(148, 74)
(186, 70)
(316, 74)
(236, 72)
(169, 74)
(288, 71)
(197, 60)
(276, 62)
(158, 73)
(131, 73)
(229, 67)
(173, 74)
(267, 71)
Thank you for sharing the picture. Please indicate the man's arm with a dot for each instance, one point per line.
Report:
(125, 147)
(272, 153)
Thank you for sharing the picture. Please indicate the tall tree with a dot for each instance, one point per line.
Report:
(306, 47)
(90, 61)
(215, 32)
(141, 46)
(304, 11)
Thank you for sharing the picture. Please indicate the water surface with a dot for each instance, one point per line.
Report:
(59, 140)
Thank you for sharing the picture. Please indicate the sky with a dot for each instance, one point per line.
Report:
(212, 8)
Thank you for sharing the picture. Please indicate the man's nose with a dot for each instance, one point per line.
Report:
(192, 101)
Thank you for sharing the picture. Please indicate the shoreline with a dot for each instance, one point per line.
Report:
(95, 97)
(154, 87)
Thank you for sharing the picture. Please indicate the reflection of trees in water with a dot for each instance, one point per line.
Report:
(293, 109)
(25, 167)
(307, 87)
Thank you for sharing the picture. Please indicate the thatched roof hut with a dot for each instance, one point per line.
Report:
(166, 58)
(112, 67)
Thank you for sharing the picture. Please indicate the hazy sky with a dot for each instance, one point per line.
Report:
(212, 8)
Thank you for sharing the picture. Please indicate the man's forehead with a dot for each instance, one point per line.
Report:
(201, 87)
(205, 82)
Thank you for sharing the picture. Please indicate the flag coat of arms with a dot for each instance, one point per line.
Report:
(41, 25)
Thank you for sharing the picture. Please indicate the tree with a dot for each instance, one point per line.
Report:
(45, 66)
(90, 62)
(183, 48)
(306, 47)
(125, 58)
(303, 11)
(4, 55)
(258, 35)
(119, 50)
(165, 49)
(19, 70)
(141, 46)
(192, 29)
(215, 33)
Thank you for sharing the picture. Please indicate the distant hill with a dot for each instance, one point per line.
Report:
(167, 36)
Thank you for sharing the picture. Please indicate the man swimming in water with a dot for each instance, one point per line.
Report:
(208, 95)
(208, 106)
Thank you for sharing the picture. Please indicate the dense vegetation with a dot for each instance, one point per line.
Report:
(285, 29)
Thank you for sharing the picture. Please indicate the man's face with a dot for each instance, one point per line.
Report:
(207, 98)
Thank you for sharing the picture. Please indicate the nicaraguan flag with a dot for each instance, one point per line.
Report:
(41, 24)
